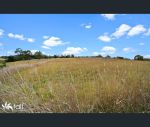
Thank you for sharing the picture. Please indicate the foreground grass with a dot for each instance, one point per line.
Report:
(77, 85)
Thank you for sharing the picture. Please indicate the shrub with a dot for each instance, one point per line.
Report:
(2, 63)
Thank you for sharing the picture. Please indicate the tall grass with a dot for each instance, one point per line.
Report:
(81, 85)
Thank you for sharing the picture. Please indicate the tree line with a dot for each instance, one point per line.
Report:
(28, 55)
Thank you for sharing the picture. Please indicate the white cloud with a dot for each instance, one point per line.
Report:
(20, 37)
(128, 49)
(100, 53)
(104, 38)
(138, 29)
(30, 40)
(74, 50)
(33, 51)
(45, 37)
(147, 56)
(108, 50)
(53, 41)
(124, 29)
(16, 36)
(87, 26)
(121, 30)
(96, 53)
(141, 44)
(1, 32)
(109, 16)
(10, 53)
(147, 33)
(45, 47)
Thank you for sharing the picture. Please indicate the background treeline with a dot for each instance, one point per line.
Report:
(28, 55)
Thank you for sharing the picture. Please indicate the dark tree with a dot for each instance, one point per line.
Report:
(38, 55)
(72, 56)
(19, 51)
(108, 57)
(138, 57)
(119, 57)
(99, 56)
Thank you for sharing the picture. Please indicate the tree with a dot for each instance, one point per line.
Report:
(38, 55)
(72, 56)
(19, 51)
(108, 57)
(55, 56)
(138, 57)
(10, 59)
(100, 56)
(27, 54)
(119, 57)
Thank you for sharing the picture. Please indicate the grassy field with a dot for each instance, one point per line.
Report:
(77, 85)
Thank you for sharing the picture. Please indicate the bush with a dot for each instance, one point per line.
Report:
(2, 63)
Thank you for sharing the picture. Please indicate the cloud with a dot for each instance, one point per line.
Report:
(45, 37)
(128, 49)
(147, 33)
(53, 41)
(104, 38)
(34, 51)
(138, 29)
(10, 53)
(20, 37)
(31, 40)
(121, 30)
(45, 47)
(108, 50)
(74, 50)
(1, 32)
(96, 53)
(87, 26)
(147, 56)
(16, 36)
(141, 44)
(109, 16)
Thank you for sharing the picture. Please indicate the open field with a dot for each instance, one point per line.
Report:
(77, 85)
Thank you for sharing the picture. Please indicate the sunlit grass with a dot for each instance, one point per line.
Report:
(77, 85)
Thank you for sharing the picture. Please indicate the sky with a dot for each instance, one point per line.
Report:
(80, 34)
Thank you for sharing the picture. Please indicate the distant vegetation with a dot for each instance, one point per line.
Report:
(28, 55)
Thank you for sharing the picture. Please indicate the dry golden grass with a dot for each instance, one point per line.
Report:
(81, 85)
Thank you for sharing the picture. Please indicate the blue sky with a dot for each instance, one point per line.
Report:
(80, 34)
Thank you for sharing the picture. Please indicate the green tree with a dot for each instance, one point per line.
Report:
(72, 55)
(38, 55)
(19, 51)
(27, 54)
(138, 57)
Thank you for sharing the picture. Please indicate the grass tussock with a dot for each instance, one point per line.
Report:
(82, 85)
